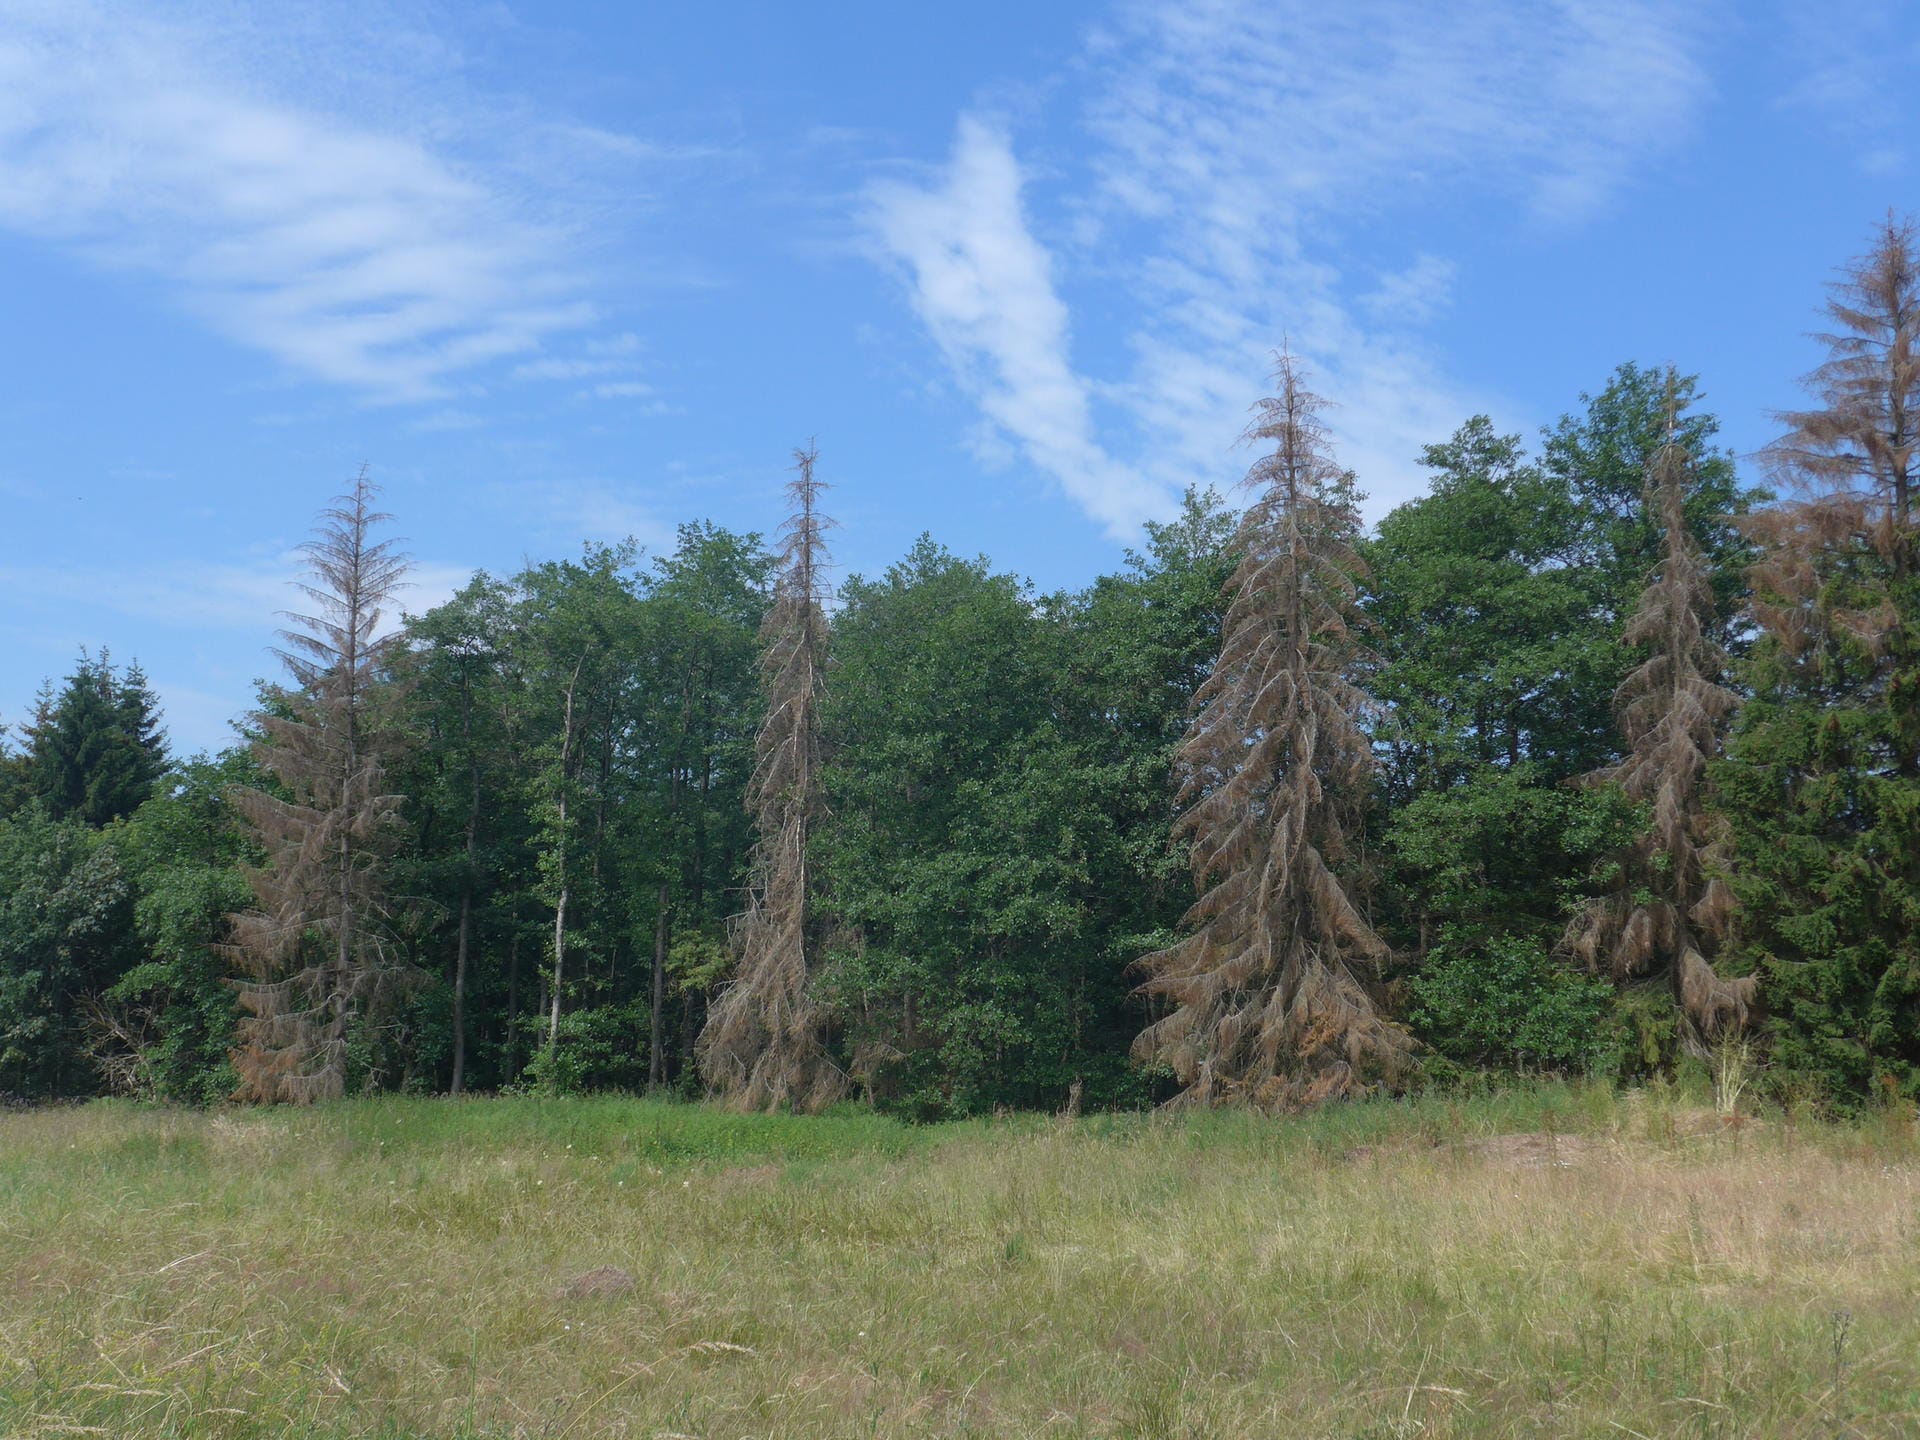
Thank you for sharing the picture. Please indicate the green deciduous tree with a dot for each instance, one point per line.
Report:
(66, 933)
(1501, 600)
(165, 1027)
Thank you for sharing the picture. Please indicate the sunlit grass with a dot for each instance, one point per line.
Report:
(1552, 1262)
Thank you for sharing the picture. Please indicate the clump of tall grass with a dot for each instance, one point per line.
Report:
(1553, 1260)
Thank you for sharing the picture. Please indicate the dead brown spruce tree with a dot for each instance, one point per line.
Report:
(1669, 910)
(313, 947)
(1271, 983)
(1852, 467)
(764, 1046)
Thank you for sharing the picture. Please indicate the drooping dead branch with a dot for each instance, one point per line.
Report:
(765, 1042)
(1670, 908)
(313, 947)
(1270, 985)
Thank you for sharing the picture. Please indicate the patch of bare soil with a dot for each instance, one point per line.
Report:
(600, 1281)
(1532, 1152)
(1526, 1151)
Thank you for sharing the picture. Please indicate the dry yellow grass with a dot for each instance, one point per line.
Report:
(1557, 1264)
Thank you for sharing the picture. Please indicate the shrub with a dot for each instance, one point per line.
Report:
(1503, 1001)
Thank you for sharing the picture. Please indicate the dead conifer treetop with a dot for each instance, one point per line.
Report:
(1851, 465)
(1270, 984)
(1670, 909)
(313, 947)
(765, 1041)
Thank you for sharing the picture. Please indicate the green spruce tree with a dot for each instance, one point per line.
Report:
(1823, 777)
(95, 749)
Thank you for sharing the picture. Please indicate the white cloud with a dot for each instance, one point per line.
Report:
(1412, 296)
(589, 508)
(1255, 108)
(983, 286)
(553, 367)
(352, 239)
(254, 596)
(1856, 73)
(1243, 141)
(1238, 144)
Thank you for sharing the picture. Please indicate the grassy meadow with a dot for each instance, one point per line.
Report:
(1556, 1262)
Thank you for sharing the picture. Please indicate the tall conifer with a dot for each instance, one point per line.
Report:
(1824, 773)
(1669, 910)
(1271, 984)
(764, 1045)
(314, 944)
(96, 750)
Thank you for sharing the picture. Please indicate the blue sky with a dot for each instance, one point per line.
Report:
(570, 272)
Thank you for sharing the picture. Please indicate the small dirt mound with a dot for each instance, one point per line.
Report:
(1532, 1152)
(1521, 1151)
(600, 1281)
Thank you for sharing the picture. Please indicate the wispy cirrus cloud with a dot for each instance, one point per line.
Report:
(1856, 67)
(245, 596)
(1236, 144)
(983, 286)
(378, 234)
(252, 597)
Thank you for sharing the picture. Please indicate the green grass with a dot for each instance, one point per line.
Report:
(1555, 1261)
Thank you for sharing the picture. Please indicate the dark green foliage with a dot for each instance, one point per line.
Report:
(996, 853)
(1501, 851)
(995, 850)
(1822, 779)
(583, 734)
(66, 933)
(95, 748)
(1505, 1003)
(171, 1017)
(1825, 845)
(1599, 461)
(1501, 600)
(14, 787)
(1495, 650)
(1498, 660)
(939, 717)
(601, 1047)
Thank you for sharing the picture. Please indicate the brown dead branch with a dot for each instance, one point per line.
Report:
(1270, 985)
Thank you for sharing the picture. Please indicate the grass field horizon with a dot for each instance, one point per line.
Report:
(1554, 1260)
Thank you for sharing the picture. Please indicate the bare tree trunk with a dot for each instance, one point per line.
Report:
(560, 901)
(559, 958)
(459, 1081)
(656, 1058)
(511, 1068)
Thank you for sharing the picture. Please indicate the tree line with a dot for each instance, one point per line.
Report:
(1593, 758)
